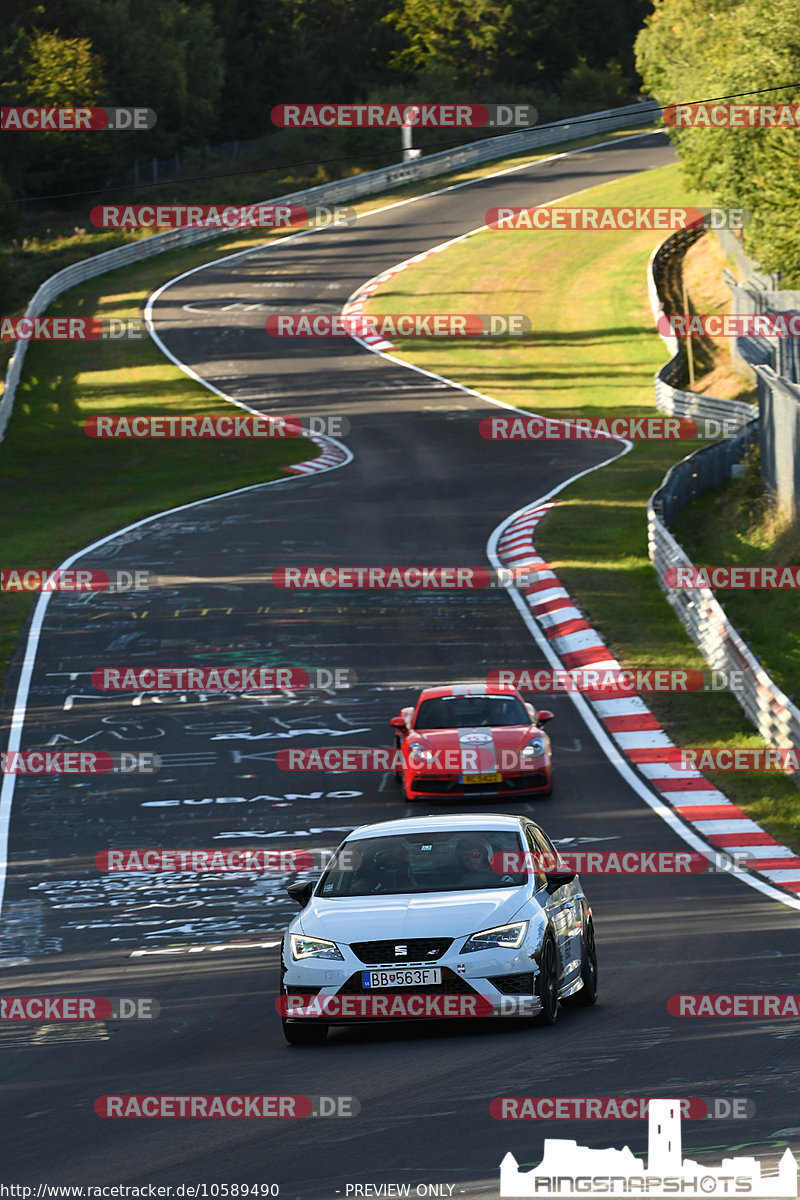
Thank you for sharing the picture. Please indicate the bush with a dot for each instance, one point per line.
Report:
(597, 87)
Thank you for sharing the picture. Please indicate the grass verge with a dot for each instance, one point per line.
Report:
(738, 525)
(593, 353)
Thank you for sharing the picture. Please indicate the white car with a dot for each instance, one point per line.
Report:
(440, 916)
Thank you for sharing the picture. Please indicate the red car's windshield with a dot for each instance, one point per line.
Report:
(460, 712)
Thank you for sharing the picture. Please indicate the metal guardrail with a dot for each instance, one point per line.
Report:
(771, 711)
(352, 188)
(775, 364)
(670, 398)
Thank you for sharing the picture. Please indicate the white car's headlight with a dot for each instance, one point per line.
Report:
(311, 947)
(534, 749)
(419, 755)
(509, 937)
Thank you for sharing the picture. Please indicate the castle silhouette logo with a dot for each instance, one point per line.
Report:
(568, 1170)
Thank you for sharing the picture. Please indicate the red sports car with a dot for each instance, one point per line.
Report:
(472, 739)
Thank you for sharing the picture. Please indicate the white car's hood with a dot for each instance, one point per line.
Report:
(437, 914)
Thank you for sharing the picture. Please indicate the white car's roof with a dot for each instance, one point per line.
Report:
(471, 821)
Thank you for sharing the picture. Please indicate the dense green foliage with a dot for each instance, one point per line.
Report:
(696, 49)
(213, 69)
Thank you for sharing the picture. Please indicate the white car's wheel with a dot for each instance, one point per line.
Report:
(547, 983)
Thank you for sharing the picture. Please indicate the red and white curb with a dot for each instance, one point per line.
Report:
(333, 455)
(355, 305)
(629, 721)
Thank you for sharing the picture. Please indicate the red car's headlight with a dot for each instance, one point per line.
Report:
(534, 749)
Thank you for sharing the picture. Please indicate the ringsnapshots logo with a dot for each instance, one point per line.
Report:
(61, 120)
(397, 116)
(216, 216)
(398, 325)
(603, 219)
(569, 1171)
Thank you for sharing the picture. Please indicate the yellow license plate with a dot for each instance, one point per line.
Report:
(494, 777)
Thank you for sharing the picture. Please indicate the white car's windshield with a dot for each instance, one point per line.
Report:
(461, 712)
(444, 861)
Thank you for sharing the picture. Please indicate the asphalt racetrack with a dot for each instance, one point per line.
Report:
(422, 488)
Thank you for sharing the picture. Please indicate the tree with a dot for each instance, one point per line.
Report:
(57, 71)
(691, 50)
(462, 36)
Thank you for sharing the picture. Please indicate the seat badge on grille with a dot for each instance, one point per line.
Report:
(400, 951)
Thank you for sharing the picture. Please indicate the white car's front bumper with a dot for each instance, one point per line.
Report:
(478, 984)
